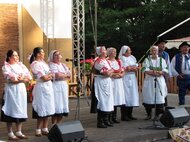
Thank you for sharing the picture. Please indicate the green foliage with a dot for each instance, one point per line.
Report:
(136, 23)
(88, 67)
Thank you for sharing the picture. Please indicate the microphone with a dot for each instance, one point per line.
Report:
(70, 60)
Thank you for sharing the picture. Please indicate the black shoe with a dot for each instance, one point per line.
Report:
(115, 121)
(155, 118)
(125, 119)
(148, 117)
(111, 122)
(132, 118)
(101, 126)
(108, 124)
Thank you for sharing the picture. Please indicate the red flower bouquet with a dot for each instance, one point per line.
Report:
(88, 64)
(29, 89)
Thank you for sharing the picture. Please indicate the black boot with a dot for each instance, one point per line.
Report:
(124, 116)
(123, 113)
(129, 113)
(159, 111)
(110, 118)
(100, 122)
(106, 119)
(149, 112)
(114, 115)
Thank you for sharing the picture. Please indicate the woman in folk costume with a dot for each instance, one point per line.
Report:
(154, 68)
(14, 106)
(60, 86)
(130, 83)
(103, 88)
(43, 95)
(118, 89)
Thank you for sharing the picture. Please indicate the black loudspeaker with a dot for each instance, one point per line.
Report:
(174, 117)
(66, 132)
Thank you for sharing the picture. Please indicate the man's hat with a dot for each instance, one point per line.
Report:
(159, 40)
(184, 44)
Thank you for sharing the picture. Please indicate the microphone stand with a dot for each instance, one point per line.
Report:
(155, 106)
(77, 114)
(78, 94)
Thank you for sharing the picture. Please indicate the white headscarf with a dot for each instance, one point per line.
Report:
(156, 47)
(99, 50)
(110, 50)
(50, 58)
(123, 50)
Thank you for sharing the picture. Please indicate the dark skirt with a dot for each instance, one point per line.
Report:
(6, 118)
(94, 101)
(36, 116)
(61, 114)
(153, 105)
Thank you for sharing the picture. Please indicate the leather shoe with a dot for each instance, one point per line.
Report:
(156, 118)
(125, 119)
(22, 136)
(108, 124)
(115, 121)
(38, 135)
(13, 138)
(45, 133)
(132, 118)
(148, 117)
(101, 125)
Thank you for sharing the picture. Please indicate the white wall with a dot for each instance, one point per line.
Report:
(62, 15)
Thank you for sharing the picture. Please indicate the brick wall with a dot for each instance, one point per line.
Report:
(9, 35)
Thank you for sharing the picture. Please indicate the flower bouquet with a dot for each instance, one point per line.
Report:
(88, 65)
(29, 89)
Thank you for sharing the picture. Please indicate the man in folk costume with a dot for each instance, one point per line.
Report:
(129, 63)
(180, 66)
(103, 88)
(154, 68)
(162, 53)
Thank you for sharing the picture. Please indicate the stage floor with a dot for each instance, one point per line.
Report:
(125, 131)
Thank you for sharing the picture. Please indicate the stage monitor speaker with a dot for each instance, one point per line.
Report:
(66, 132)
(175, 117)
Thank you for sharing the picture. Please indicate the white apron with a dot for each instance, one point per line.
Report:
(104, 93)
(150, 89)
(103, 86)
(118, 92)
(15, 95)
(118, 89)
(60, 88)
(43, 95)
(130, 82)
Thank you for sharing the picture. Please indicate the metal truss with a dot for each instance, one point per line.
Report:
(78, 34)
(47, 21)
(78, 37)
